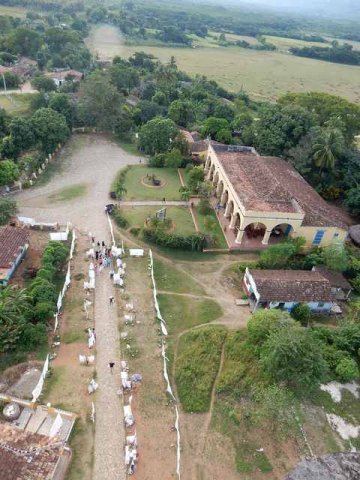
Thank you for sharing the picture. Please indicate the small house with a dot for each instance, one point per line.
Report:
(340, 287)
(14, 243)
(284, 289)
(59, 78)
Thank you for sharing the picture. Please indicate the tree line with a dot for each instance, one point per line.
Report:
(336, 53)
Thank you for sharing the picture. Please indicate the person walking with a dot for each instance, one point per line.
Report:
(111, 299)
(111, 366)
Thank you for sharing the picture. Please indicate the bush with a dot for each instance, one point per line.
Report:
(7, 210)
(194, 242)
(347, 370)
(33, 337)
(119, 219)
(46, 273)
(135, 231)
(158, 160)
(301, 312)
(43, 291)
(204, 207)
(264, 322)
(43, 311)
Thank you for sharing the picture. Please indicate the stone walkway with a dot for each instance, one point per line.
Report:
(109, 425)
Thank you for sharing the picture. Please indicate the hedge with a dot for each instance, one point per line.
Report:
(194, 242)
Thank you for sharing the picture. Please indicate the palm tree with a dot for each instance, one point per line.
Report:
(120, 190)
(13, 305)
(327, 148)
(185, 194)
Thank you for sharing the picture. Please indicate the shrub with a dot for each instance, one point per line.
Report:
(158, 160)
(194, 242)
(46, 273)
(135, 231)
(264, 322)
(301, 312)
(43, 311)
(7, 210)
(204, 207)
(43, 291)
(120, 220)
(33, 336)
(347, 370)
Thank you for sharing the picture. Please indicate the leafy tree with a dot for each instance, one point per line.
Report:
(352, 200)
(21, 132)
(9, 172)
(195, 177)
(124, 125)
(264, 322)
(347, 370)
(224, 136)
(160, 99)
(33, 336)
(301, 312)
(100, 102)
(335, 258)
(185, 194)
(11, 80)
(224, 110)
(124, 78)
(280, 128)
(326, 106)
(293, 356)
(8, 208)
(182, 112)
(23, 41)
(4, 122)
(213, 125)
(174, 158)
(13, 306)
(61, 103)
(146, 110)
(157, 135)
(43, 84)
(242, 121)
(277, 256)
(49, 128)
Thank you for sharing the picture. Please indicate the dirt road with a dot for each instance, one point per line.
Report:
(91, 161)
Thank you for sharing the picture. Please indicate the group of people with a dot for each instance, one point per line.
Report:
(102, 255)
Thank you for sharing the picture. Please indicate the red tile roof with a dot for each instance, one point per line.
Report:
(270, 184)
(292, 286)
(336, 279)
(11, 240)
(26, 455)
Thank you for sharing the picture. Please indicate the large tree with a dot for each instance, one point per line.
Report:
(62, 103)
(280, 128)
(8, 208)
(124, 78)
(182, 112)
(100, 102)
(49, 128)
(9, 172)
(293, 356)
(157, 135)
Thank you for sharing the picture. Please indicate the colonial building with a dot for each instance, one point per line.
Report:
(14, 243)
(264, 199)
(284, 289)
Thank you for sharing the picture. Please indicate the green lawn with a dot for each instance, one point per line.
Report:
(137, 191)
(16, 103)
(216, 232)
(180, 216)
(68, 193)
(196, 367)
(169, 278)
(182, 313)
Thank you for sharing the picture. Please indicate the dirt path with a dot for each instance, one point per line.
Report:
(92, 161)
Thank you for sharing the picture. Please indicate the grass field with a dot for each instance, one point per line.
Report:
(173, 280)
(216, 232)
(68, 193)
(264, 75)
(182, 313)
(136, 190)
(197, 365)
(12, 11)
(16, 104)
(182, 222)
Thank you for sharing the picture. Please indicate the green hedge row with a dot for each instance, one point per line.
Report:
(194, 242)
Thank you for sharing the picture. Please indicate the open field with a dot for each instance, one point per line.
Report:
(16, 103)
(283, 44)
(262, 74)
(12, 11)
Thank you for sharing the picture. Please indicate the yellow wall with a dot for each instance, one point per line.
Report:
(328, 239)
